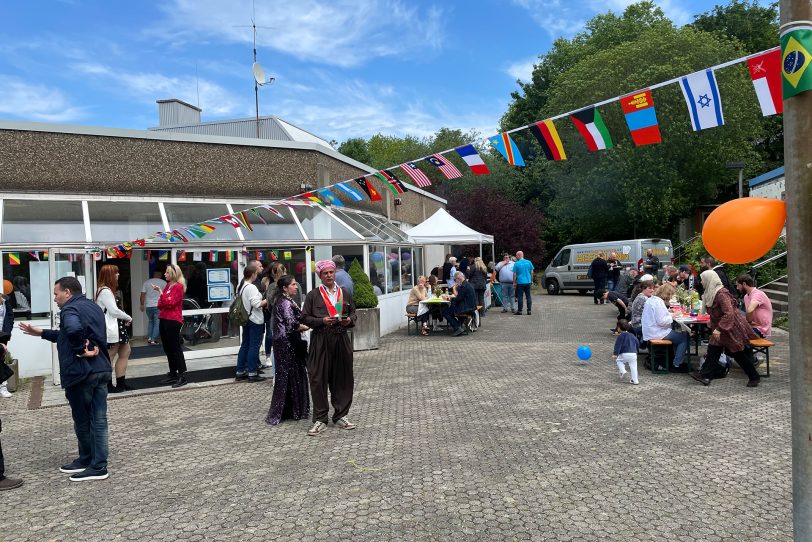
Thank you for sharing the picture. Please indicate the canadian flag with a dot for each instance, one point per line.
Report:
(766, 73)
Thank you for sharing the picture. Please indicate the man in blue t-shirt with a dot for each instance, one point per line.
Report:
(523, 276)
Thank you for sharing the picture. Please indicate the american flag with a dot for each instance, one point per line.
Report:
(415, 174)
(444, 164)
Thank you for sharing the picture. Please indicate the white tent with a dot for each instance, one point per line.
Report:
(442, 228)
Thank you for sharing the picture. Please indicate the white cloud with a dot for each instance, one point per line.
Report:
(341, 32)
(339, 109)
(214, 99)
(35, 101)
(673, 10)
(522, 69)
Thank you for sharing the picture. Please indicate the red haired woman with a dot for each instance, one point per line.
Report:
(117, 321)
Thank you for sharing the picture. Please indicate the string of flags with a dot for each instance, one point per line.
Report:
(777, 73)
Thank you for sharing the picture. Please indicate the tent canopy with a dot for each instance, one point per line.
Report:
(442, 228)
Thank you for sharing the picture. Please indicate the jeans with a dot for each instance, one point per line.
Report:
(523, 289)
(610, 285)
(248, 357)
(153, 333)
(508, 295)
(680, 343)
(450, 315)
(88, 405)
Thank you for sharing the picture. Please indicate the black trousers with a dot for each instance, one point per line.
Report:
(170, 340)
(480, 300)
(711, 367)
(329, 367)
(600, 284)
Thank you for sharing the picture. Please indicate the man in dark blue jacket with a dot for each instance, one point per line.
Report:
(85, 372)
(464, 302)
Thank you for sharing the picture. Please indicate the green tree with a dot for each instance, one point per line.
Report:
(754, 26)
(356, 148)
(363, 294)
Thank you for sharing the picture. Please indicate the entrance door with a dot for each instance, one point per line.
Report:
(68, 263)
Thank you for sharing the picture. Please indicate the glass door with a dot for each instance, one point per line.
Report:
(62, 262)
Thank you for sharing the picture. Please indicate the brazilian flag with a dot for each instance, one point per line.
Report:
(796, 57)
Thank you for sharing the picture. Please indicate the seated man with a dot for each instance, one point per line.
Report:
(686, 277)
(463, 303)
(758, 306)
(626, 281)
(621, 302)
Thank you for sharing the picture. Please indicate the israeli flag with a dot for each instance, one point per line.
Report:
(702, 97)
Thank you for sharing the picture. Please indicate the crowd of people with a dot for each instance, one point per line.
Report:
(643, 301)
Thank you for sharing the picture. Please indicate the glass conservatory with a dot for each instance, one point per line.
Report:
(45, 237)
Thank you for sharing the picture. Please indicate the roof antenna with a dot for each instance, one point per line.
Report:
(256, 68)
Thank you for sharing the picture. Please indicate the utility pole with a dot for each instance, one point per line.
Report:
(798, 178)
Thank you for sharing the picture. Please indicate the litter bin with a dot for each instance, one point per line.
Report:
(11, 384)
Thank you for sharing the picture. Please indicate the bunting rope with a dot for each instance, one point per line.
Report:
(587, 120)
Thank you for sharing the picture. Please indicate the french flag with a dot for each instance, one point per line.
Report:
(765, 70)
(474, 161)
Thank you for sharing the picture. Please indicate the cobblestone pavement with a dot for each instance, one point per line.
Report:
(500, 435)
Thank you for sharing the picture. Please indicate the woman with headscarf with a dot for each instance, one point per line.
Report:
(290, 400)
(729, 332)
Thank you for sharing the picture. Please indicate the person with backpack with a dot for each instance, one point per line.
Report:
(170, 320)
(246, 311)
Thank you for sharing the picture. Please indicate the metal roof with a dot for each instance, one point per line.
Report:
(766, 177)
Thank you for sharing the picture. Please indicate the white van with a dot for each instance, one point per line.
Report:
(568, 270)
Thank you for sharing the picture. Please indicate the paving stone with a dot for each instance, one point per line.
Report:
(500, 435)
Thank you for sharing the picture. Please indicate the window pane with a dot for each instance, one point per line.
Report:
(281, 228)
(408, 275)
(293, 259)
(36, 221)
(196, 265)
(123, 221)
(393, 271)
(417, 263)
(319, 225)
(27, 283)
(377, 268)
(181, 215)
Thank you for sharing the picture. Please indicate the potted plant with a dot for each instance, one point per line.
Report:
(366, 335)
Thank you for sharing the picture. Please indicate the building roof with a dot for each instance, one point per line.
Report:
(766, 177)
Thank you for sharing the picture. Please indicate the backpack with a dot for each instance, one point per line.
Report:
(237, 312)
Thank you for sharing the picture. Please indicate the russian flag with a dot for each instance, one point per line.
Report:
(641, 117)
(472, 158)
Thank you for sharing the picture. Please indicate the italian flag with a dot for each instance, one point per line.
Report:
(590, 124)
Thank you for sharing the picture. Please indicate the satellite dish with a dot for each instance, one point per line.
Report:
(259, 73)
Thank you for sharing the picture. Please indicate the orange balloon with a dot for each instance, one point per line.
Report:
(744, 230)
(7, 287)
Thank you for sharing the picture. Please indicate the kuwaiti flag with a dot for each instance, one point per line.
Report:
(507, 148)
(590, 124)
(473, 159)
(765, 70)
(350, 191)
(702, 98)
(641, 117)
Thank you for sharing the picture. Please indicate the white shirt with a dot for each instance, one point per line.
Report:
(656, 319)
(252, 300)
(112, 314)
(152, 296)
(505, 270)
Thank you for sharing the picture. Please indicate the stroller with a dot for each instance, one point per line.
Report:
(200, 327)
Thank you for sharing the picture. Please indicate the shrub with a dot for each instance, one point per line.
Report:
(363, 294)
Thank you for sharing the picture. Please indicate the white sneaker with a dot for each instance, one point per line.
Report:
(344, 423)
(623, 375)
(4, 393)
(317, 429)
(633, 382)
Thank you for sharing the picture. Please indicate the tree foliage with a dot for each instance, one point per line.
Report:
(363, 294)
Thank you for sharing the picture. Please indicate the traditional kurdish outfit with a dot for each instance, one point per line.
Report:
(290, 395)
(329, 365)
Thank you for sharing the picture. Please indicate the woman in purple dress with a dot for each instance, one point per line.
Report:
(291, 392)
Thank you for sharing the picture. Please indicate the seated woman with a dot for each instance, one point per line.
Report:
(730, 333)
(657, 322)
(644, 290)
(416, 295)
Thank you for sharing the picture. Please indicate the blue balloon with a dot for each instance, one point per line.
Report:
(584, 353)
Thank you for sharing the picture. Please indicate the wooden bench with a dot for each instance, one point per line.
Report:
(657, 346)
(412, 317)
(762, 346)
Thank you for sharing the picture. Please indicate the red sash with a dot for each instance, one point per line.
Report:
(332, 310)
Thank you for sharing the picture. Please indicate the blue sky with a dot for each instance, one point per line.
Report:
(343, 68)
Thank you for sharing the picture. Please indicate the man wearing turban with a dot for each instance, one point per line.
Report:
(329, 310)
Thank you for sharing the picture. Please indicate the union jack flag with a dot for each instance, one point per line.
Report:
(415, 174)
